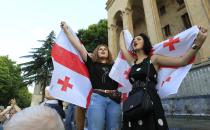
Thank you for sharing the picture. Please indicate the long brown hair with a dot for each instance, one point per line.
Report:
(95, 57)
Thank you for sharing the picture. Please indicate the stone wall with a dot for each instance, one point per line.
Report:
(193, 97)
(172, 16)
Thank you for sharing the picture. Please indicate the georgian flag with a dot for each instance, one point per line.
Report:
(121, 68)
(70, 80)
(169, 78)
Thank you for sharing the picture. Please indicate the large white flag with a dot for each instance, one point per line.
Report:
(169, 78)
(121, 68)
(70, 80)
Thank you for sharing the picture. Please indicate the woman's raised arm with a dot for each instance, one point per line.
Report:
(77, 44)
(124, 50)
(184, 60)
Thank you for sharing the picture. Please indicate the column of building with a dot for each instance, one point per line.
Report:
(112, 39)
(199, 16)
(153, 21)
(127, 19)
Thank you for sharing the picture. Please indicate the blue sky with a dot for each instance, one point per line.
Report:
(23, 22)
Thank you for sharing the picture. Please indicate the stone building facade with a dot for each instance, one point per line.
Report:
(160, 19)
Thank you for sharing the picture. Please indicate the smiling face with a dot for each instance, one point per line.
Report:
(138, 43)
(103, 52)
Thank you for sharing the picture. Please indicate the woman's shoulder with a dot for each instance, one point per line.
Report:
(153, 58)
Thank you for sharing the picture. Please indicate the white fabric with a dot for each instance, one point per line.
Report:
(52, 101)
(81, 89)
(121, 65)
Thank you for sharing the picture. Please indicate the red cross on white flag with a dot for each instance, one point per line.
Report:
(170, 43)
(70, 80)
(169, 78)
(65, 84)
(126, 73)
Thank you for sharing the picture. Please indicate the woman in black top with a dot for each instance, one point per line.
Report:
(104, 111)
(142, 47)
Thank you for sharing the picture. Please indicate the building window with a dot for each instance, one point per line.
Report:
(180, 2)
(166, 30)
(186, 21)
(162, 10)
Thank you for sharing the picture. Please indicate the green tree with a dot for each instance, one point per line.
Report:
(39, 69)
(11, 83)
(94, 35)
(24, 97)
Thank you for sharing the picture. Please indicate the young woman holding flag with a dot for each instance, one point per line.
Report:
(104, 111)
(140, 75)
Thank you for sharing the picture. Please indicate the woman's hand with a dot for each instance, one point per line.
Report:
(201, 37)
(64, 26)
(159, 60)
(124, 50)
(75, 42)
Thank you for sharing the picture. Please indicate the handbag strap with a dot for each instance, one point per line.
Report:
(148, 72)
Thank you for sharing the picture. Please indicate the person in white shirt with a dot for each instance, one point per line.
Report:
(53, 103)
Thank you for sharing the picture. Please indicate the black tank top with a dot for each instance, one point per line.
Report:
(139, 72)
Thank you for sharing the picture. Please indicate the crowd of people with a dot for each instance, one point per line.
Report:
(105, 111)
(6, 114)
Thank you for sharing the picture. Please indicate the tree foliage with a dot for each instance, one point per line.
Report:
(39, 69)
(94, 35)
(24, 97)
(11, 83)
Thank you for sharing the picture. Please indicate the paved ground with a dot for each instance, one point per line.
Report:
(190, 123)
